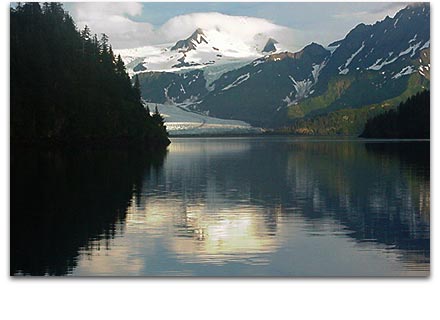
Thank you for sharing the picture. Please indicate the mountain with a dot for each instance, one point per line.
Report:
(202, 49)
(168, 87)
(191, 42)
(258, 91)
(373, 68)
(270, 47)
(376, 59)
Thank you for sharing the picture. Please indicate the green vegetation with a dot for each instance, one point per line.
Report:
(410, 120)
(336, 88)
(349, 121)
(68, 87)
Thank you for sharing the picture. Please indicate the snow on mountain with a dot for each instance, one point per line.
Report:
(235, 77)
(191, 43)
(388, 45)
(202, 49)
(259, 91)
(237, 81)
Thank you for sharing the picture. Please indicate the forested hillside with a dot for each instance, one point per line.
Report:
(67, 86)
(409, 121)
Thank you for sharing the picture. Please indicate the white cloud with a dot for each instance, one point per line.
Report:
(245, 29)
(371, 15)
(240, 26)
(115, 19)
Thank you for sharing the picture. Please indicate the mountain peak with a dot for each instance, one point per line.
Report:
(198, 31)
(270, 46)
(312, 50)
(190, 43)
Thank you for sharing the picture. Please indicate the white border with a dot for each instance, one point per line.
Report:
(212, 298)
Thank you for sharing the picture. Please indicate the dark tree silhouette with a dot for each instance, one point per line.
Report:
(68, 87)
(411, 120)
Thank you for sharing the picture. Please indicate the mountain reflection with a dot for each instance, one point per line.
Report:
(226, 206)
(379, 191)
(217, 205)
(66, 201)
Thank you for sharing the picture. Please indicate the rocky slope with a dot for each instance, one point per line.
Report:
(374, 66)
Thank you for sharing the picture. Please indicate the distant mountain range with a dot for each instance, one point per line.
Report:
(373, 68)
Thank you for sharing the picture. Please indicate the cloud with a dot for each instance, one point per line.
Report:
(239, 27)
(373, 14)
(390, 7)
(116, 20)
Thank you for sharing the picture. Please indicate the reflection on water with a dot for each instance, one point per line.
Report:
(63, 202)
(225, 206)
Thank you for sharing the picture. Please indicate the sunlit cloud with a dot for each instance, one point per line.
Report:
(116, 20)
(294, 25)
(371, 15)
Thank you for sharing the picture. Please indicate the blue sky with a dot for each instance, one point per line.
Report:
(290, 14)
(135, 24)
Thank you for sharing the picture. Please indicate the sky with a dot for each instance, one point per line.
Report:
(134, 24)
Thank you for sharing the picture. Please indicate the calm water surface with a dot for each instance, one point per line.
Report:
(260, 206)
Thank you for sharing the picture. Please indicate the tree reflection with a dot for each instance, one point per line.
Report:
(212, 196)
(64, 201)
(219, 203)
(378, 191)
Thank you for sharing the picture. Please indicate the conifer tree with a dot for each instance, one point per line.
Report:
(137, 87)
(70, 88)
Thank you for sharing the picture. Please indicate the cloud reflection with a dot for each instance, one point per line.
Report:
(280, 207)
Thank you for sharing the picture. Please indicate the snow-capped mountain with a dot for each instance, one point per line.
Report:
(387, 46)
(191, 43)
(201, 49)
(263, 84)
(375, 63)
(259, 90)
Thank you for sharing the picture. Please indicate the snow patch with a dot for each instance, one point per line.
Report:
(405, 71)
(426, 45)
(165, 91)
(288, 99)
(413, 39)
(237, 81)
(333, 48)
(344, 69)
(316, 70)
(377, 66)
(302, 87)
(411, 48)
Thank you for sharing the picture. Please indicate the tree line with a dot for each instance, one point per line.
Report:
(410, 120)
(68, 86)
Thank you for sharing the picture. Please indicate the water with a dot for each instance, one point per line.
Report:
(260, 206)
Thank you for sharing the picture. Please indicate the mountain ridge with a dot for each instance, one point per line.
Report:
(371, 64)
